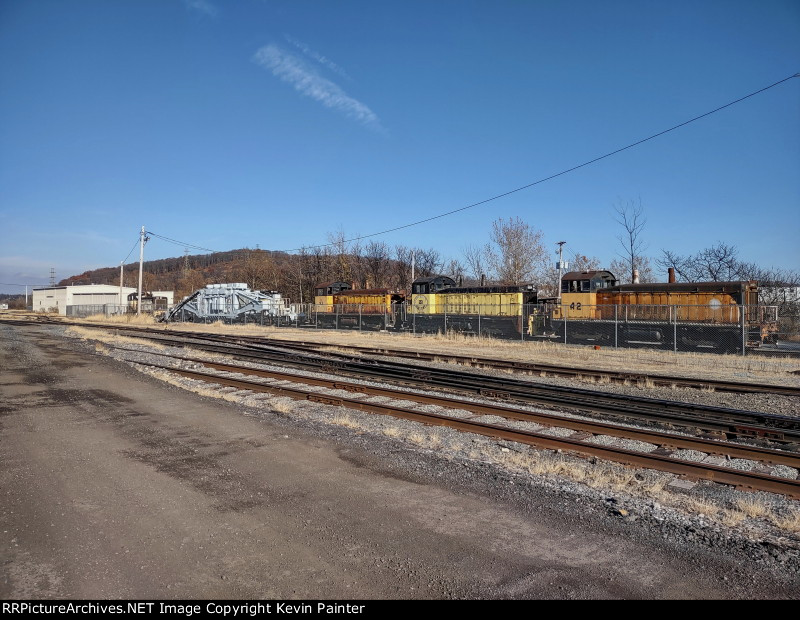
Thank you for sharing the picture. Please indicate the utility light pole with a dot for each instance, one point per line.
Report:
(142, 241)
(560, 245)
(121, 267)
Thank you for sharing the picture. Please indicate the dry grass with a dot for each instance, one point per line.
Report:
(346, 420)
(392, 431)
(112, 339)
(655, 488)
(696, 505)
(283, 404)
(790, 522)
(128, 319)
(751, 507)
(732, 518)
(620, 479)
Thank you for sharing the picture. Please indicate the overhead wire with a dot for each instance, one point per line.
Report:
(181, 243)
(518, 189)
(552, 176)
(129, 253)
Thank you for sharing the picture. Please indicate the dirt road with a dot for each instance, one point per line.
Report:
(117, 486)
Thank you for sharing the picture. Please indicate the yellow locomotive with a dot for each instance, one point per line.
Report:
(439, 305)
(338, 305)
(595, 309)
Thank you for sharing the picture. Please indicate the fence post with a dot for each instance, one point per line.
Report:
(445, 321)
(564, 315)
(359, 316)
(674, 310)
(616, 326)
(744, 330)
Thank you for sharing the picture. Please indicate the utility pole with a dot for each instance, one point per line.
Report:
(121, 266)
(142, 241)
(413, 257)
(560, 245)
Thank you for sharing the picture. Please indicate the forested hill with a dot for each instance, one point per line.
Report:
(187, 273)
(294, 275)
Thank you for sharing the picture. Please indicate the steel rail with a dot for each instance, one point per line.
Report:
(738, 478)
(537, 367)
(731, 422)
(486, 362)
(661, 439)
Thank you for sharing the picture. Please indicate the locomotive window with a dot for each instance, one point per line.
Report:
(565, 286)
(584, 285)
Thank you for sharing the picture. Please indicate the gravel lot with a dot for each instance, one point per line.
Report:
(116, 484)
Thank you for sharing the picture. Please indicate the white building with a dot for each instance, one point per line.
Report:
(88, 299)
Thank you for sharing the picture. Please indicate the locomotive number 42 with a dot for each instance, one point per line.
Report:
(575, 306)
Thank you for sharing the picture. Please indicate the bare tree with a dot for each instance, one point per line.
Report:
(455, 270)
(717, 263)
(358, 267)
(427, 262)
(342, 270)
(581, 262)
(377, 260)
(256, 269)
(631, 217)
(319, 265)
(518, 253)
(641, 265)
(680, 264)
(475, 257)
(402, 267)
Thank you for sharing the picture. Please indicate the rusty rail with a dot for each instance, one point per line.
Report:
(738, 478)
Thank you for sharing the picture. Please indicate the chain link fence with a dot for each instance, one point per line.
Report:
(84, 310)
(714, 328)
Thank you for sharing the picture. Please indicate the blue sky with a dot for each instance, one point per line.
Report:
(274, 123)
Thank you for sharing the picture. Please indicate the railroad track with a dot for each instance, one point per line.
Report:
(716, 421)
(579, 442)
(547, 369)
(618, 377)
(583, 430)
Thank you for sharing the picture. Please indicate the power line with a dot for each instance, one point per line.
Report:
(187, 245)
(552, 176)
(131, 252)
(513, 191)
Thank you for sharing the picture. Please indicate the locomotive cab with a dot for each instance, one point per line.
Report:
(323, 294)
(423, 293)
(579, 293)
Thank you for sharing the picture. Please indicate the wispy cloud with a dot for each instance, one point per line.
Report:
(323, 60)
(202, 6)
(306, 80)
